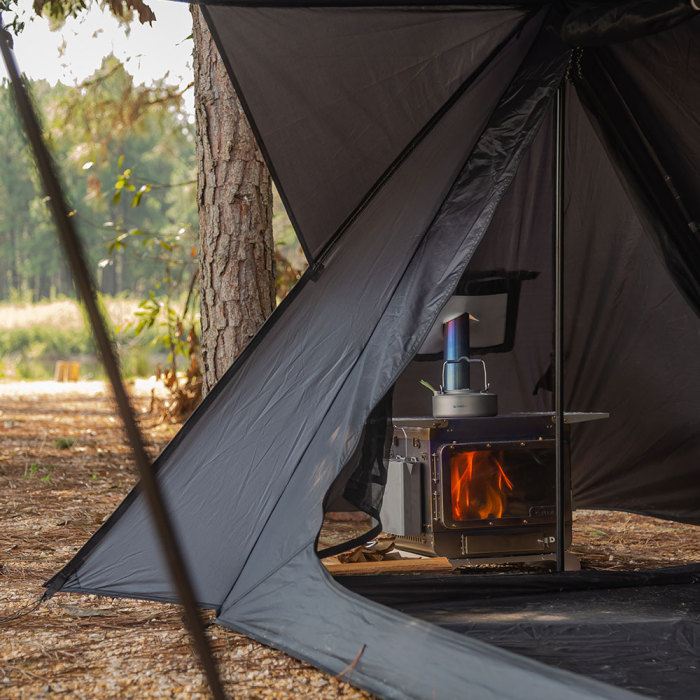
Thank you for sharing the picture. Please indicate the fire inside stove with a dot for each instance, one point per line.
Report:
(479, 485)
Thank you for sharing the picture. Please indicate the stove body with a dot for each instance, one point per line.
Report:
(475, 488)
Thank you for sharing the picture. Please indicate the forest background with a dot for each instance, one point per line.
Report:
(126, 152)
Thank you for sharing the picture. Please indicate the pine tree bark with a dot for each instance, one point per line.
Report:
(237, 274)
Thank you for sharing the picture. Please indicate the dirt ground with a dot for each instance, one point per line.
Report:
(64, 467)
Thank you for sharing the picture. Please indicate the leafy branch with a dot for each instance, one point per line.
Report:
(178, 328)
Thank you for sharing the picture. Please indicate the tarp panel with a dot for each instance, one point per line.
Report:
(632, 348)
(657, 76)
(336, 95)
(646, 113)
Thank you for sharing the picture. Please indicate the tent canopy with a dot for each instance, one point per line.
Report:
(412, 142)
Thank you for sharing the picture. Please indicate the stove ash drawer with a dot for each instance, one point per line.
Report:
(401, 513)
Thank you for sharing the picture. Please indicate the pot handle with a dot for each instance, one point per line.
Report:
(464, 358)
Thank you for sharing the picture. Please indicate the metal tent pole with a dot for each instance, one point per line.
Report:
(76, 259)
(559, 321)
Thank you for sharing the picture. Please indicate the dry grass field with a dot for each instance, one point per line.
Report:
(65, 314)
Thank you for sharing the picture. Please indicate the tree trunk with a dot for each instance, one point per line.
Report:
(234, 200)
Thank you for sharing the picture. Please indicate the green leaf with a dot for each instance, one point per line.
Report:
(428, 386)
(137, 197)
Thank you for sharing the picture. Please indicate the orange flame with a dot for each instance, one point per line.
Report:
(478, 486)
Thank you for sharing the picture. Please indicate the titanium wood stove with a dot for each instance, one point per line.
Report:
(477, 488)
(467, 483)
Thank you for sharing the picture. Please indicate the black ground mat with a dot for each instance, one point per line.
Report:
(636, 630)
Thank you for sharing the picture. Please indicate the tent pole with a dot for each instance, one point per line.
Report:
(559, 321)
(83, 282)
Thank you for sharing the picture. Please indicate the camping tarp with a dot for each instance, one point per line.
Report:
(394, 133)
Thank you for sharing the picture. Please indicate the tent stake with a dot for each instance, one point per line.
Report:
(559, 321)
(76, 259)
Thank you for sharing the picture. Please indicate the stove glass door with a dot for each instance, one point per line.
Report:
(497, 484)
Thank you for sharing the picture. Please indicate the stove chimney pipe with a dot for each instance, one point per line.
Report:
(456, 338)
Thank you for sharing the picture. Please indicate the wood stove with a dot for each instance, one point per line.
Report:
(466, 483)
(476, 488)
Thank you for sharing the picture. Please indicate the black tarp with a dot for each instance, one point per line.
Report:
(400, 136)
(637, 630)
